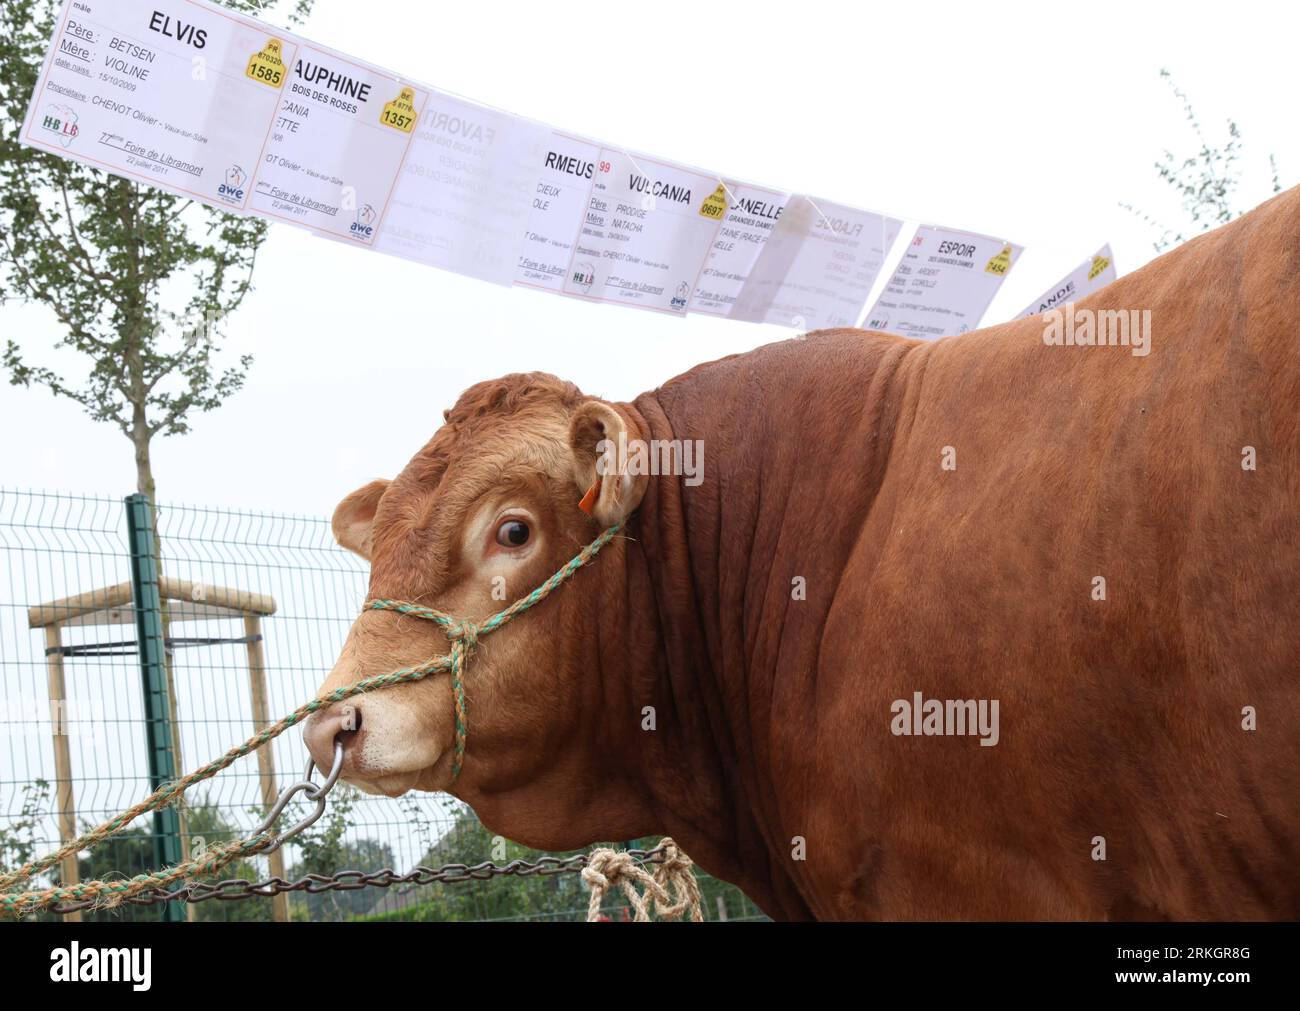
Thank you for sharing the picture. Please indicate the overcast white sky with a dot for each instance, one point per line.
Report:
(1028, 121)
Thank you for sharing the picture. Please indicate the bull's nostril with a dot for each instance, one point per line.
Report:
(338, 723)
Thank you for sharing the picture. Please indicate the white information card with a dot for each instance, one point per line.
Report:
(944, 283)
(817, 265)
(179, 94)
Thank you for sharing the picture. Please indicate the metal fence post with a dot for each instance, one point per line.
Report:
(153, 678)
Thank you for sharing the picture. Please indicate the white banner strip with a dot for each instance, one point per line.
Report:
(198, 100)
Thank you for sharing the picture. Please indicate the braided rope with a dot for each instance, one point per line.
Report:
(676, 872)
(607, 868)
(103, 894)
(464, 636)
(169, 792)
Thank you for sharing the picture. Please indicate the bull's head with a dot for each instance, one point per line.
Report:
(484, 513)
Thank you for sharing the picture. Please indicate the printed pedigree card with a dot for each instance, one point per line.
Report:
(178, 94)
(817, 265)
(340, 136)
(944, 283)
(752, 213)
(565, 172)
(464, 193)
(1093, 273)
(646, 229)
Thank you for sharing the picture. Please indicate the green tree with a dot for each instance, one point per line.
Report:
(523, 897)
(117, 859)
(1206, 181)
(206, 822)
(500, 897)
(323, 850)
(18, 838)
(139, 281)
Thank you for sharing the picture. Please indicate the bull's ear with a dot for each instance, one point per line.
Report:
(354, 519)
(600, 435)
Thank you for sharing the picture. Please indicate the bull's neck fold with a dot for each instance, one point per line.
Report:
(733, 576)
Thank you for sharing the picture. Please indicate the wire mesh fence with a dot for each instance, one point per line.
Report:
(257, 608)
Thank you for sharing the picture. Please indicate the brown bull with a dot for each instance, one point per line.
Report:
(984, 628)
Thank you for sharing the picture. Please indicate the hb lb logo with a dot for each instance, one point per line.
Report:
(584, 275)
(363, 227)
(61, 121)
(232, 190)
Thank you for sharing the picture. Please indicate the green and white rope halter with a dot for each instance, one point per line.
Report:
(464, 636)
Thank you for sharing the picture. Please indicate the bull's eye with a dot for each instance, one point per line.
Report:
(513, 534)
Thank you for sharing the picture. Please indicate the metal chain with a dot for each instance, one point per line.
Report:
(235, 889)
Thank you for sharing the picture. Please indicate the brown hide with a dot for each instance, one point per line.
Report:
(773, 761)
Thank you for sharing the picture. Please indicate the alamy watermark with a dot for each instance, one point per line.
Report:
(75, 964)
(82, 719)
(655, 458)
(1099, 328)
(922, 717)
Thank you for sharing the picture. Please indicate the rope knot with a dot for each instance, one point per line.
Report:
(606, 868)
(672, 890)
(464, 632)
(674, 861)
(675, 873)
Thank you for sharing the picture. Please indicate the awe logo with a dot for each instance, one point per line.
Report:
(232, 190)
(683, 293)
(363, 227)
(61, 121)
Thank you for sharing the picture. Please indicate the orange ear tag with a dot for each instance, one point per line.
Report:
(588, 503)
